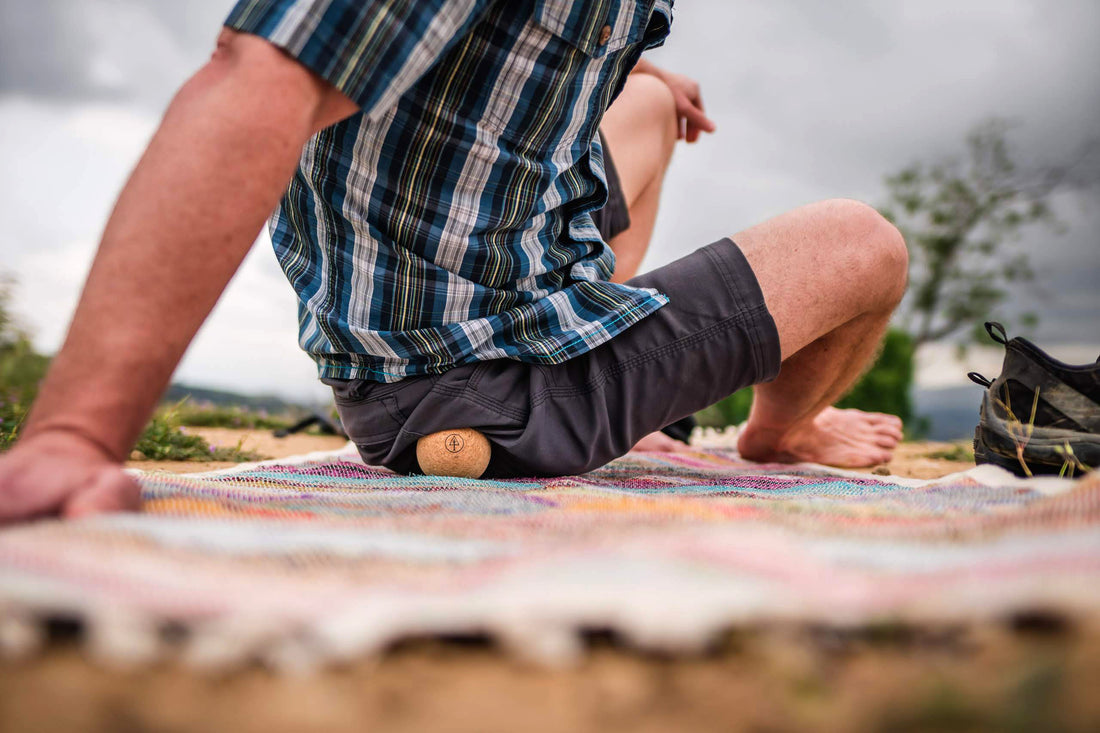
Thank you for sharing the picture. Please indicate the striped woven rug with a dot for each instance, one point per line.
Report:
(322, 558)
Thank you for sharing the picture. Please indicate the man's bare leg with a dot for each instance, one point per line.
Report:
(812, 264)
(831, 274)
(640, 129)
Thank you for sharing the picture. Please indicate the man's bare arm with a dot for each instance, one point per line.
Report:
(194, 204)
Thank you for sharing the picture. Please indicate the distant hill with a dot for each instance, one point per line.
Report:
(222, 398)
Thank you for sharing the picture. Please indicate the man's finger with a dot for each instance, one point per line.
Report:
(695, 123)
(112, 491)
(697, 101)
(695, 116)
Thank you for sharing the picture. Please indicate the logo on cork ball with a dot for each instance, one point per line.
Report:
(455, 443)
(456, 452)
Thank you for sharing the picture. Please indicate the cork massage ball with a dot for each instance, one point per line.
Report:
(460, 452)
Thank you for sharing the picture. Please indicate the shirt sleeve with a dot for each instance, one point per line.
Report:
(371, 50)
(660, 22)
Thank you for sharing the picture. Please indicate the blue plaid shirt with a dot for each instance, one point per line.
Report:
(449, 221)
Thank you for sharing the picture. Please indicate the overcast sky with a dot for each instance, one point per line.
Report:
(812, 100)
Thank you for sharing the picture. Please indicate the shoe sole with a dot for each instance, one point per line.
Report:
(984, 454)
(1045, 452)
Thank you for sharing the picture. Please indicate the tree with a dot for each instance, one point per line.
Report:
(958, 217)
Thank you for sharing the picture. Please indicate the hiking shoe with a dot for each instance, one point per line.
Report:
(1041, 415)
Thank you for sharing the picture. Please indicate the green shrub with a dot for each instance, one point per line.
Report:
(164, 439)
(886, 387)
(733, 410)
(21, 369)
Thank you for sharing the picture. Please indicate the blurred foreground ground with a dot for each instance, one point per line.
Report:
(1037, 671)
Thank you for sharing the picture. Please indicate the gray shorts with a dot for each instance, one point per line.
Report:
(714, 337)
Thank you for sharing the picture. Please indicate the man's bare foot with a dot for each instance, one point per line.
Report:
(660, 443)
(845, 438)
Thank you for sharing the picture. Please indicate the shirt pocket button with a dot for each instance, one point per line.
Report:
(605, 35)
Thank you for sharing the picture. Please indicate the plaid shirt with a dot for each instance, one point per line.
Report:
(449, 221)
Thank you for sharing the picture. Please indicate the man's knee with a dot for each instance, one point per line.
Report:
(874, 247)
(659, 107)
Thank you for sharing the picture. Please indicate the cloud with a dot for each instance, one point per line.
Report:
(250, 341)
(44, 49)
(68, 50)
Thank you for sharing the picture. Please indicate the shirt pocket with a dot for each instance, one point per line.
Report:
(558, 59)
(594, 27)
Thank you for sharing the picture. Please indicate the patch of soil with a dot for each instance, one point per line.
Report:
(262, 442)
(923, 460)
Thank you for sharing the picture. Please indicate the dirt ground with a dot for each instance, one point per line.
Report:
(1036, 671)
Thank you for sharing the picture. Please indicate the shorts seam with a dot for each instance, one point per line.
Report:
(727, 274)
(758, 355)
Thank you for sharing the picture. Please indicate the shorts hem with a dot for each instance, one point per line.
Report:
(748, 297)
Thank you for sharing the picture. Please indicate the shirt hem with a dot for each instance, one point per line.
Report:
(581, 344)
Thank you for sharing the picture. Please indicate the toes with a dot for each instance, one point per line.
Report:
(852, 419)
(877, 435)
(878, 418)
(890, 432)
(883, 440)
(864, 458)
(874, 458)
(883, 424)
(892, 421)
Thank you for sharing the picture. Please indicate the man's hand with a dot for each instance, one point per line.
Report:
(690, 114)
(62, 473)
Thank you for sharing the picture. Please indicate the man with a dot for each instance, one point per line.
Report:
(437, 165)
